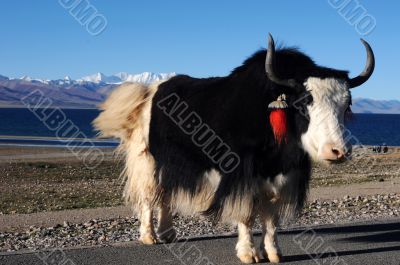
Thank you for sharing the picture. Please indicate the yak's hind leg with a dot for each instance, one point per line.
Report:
(165, 231)
(245, 249)
(269, 244)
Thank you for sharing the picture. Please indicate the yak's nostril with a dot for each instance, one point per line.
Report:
(337, 153)
(331, 152)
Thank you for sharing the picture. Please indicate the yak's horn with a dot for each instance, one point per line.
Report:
(368, 70)
(270, 63)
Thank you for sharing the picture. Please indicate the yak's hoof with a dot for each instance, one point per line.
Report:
(249, 257)
(148, 239)
(274, 258)
(167, 236)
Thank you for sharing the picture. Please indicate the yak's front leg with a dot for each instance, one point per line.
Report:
(269, 243)
(245, 249)
(147, 235)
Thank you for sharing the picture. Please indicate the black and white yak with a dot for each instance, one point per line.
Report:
(209, 146)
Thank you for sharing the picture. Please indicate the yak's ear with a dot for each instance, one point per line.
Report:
(270, 69)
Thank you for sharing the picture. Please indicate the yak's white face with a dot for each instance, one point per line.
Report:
(324, 138)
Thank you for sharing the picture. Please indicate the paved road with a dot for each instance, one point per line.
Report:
(367, 243)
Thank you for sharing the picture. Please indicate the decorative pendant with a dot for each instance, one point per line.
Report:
(277, 119)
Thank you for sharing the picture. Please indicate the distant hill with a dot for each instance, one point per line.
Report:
(89, 91)
(363, 105)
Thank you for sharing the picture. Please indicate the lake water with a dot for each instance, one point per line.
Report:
(368, 129)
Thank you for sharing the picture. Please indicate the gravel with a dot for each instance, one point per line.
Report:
(104, 232)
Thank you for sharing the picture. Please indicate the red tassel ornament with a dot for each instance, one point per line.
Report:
(277, 119)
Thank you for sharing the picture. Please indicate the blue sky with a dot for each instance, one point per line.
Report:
(200, 38)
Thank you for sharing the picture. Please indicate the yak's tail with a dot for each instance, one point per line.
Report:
(126, 115)
(122, 112)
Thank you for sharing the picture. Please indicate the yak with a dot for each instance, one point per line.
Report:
(232, 148)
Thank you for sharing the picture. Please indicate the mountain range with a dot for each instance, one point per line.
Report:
(89, 91)
(86, 92)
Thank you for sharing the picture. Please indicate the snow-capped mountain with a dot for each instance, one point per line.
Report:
(37, 80)
(144, 78)
(100, 78)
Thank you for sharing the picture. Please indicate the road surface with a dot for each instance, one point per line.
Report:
(366, 243)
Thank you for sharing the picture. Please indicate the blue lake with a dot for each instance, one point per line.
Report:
(369, 129)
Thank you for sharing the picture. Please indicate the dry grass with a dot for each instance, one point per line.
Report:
(44, 186)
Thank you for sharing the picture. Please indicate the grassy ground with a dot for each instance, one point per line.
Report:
(46, 184)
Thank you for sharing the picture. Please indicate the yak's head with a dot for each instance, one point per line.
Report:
(321, 104)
